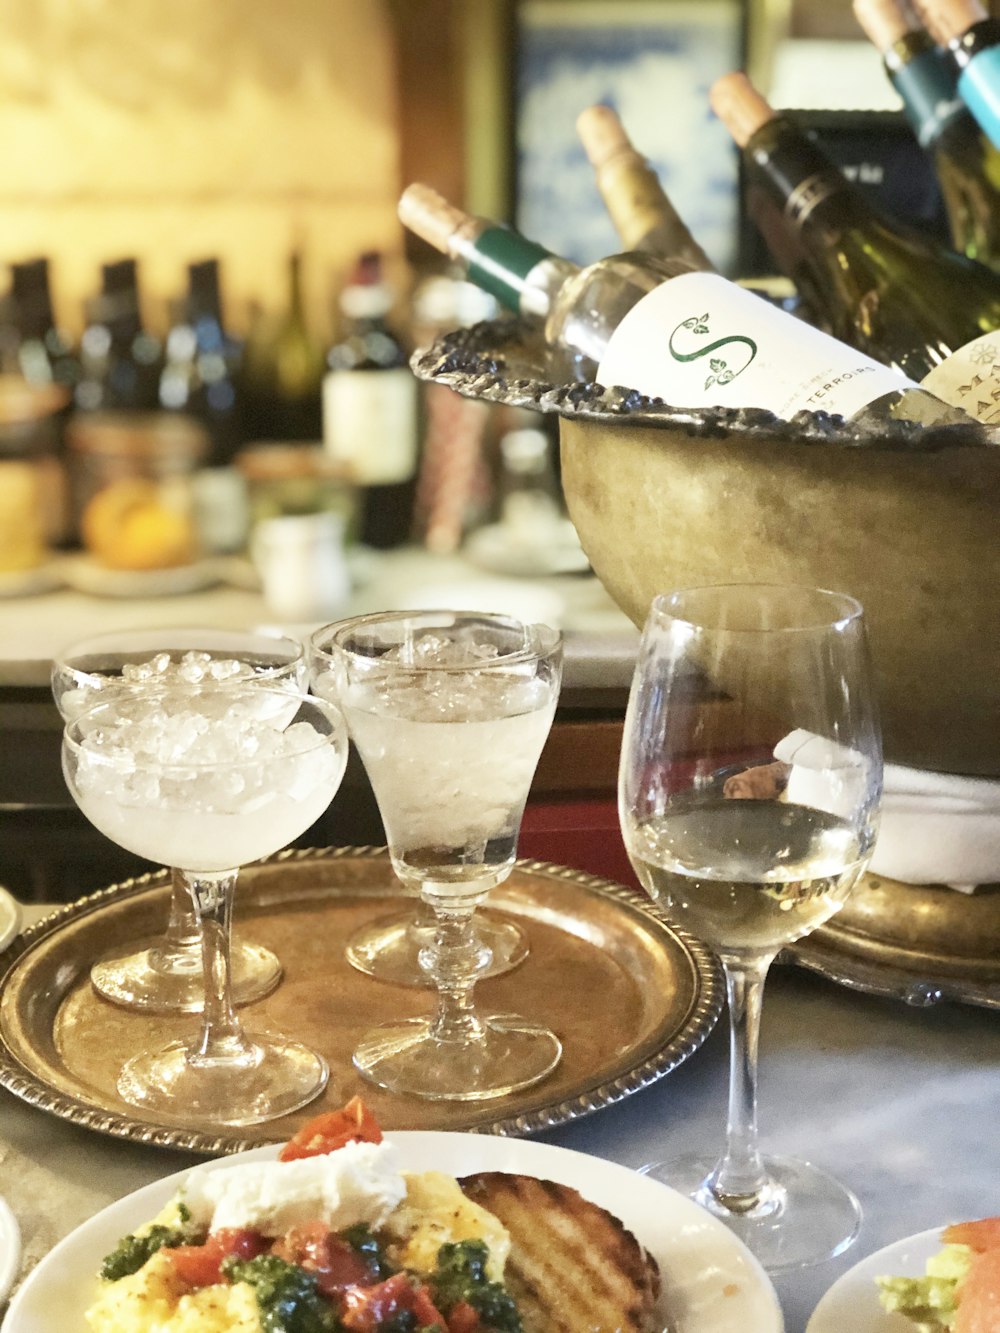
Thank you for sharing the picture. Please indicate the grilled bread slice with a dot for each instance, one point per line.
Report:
(573, 1267)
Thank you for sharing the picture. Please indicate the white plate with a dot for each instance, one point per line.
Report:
(852, 1302)
(84, 574)
(714, 1284)
(10, 1249)
(10, 924)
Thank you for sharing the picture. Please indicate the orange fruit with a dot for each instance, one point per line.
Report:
(127, 525)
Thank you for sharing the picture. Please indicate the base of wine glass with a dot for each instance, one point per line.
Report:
(408, 1058)
(165, 979)
(274, 1077)
(388, 949)
(803, 1217)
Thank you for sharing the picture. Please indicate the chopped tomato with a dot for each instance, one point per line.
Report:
(979, 1295)
(463, 1319)
(201, 1265)
(335, 1263)
(370, 1307)
(326, 1132)
(981, 1235)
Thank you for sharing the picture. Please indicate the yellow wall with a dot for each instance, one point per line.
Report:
(182, 130)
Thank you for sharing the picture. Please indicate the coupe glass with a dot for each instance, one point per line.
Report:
(750, 781)
(389, 948)
(207, 780)
(449, 711)
(166, 976)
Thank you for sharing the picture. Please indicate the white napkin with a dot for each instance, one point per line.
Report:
(938, 828)
(935, 828)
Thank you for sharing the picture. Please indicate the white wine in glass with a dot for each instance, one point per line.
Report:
(750, 781)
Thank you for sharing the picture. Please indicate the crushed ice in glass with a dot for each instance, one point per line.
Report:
(211, 751)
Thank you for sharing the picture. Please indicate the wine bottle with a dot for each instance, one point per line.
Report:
(972, 38)
(201, 370)
(966, 164)
(282, 372)
(654, 326)
(120, 360)
(643, 215)
(370, 405)
(45, 354)
(876, 284)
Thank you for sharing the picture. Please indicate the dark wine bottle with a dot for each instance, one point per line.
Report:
(120, 360)
(201, 369)
(370, 405)
(966, 164)
(281, 379)
(890, 291)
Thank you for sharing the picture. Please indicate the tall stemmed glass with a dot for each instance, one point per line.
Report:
(449, 711)
(207, 780)
(750, 780)
(166, 976)
(388, 948)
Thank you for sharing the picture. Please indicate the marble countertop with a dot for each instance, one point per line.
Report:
(899, 1103)
(600, 640)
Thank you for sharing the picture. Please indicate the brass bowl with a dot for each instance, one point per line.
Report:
(904, 519)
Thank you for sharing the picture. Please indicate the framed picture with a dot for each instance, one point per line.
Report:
(653, 61)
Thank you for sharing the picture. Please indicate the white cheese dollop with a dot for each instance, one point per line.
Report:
(359, 1182)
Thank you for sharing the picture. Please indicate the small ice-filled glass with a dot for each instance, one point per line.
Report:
(449, 711)
(389, 947)
(165, 975)
(208, 780)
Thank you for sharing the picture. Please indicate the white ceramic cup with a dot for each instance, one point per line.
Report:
(302, 565)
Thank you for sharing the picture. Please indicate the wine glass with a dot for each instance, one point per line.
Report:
(750, 781)
(166, 976)
(207, 780)
(389, 948)
(449, 711)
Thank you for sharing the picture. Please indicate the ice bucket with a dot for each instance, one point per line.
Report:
(904, 518)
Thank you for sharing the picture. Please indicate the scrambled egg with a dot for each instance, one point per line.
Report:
(435, 1212)
(153, 1300)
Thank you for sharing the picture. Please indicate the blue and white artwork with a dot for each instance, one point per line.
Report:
(653, 61)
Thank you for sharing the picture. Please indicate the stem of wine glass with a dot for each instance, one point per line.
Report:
(182, 930)
(740, 1182)
(454, 963)
(222, 1040)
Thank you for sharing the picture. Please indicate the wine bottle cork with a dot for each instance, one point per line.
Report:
(431, 217)
(603, 135)
(739, 106)
(946, 19)
(885, 22)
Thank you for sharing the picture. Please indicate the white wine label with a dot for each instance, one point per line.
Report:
(970, 378)
(698, 341)
(370, 423)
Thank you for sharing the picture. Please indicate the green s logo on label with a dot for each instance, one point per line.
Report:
(722, 372)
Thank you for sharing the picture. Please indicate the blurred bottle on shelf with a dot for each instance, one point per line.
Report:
(971, 36)
(966, 164)
(637, 204)
(889, 291)
(202, 363)
(45, 355)
(280, 383)
(370, 405)
(120, 360)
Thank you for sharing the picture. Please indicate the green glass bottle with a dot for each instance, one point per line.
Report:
(966, 164)
(889, 291)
